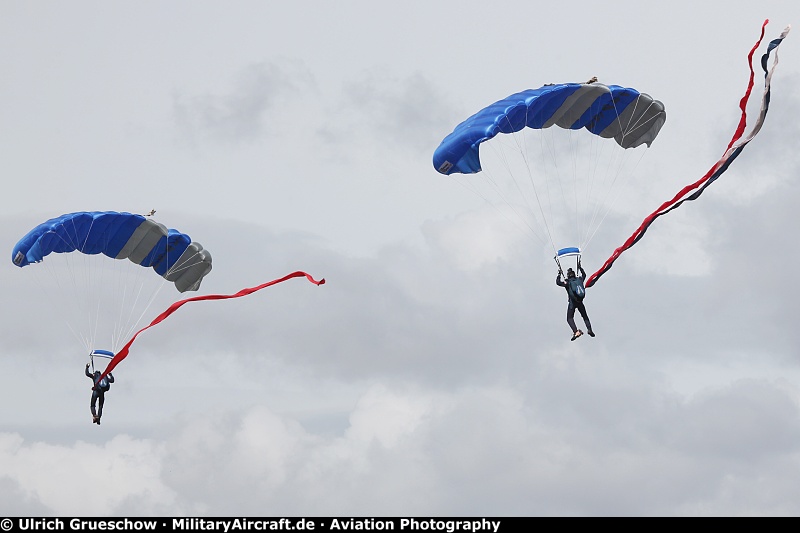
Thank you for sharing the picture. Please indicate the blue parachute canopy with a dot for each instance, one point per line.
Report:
(102, 353)
(171, 254)
(630, 117)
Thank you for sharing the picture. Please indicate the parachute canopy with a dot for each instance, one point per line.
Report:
(172, 254)
(630, 117)
(555, 184)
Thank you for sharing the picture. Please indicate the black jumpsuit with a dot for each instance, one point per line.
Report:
(99, 391)
(574, 303)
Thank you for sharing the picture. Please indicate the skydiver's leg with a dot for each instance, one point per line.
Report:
(585, 317)
(92, 404)
(102, 398)
(571, 317)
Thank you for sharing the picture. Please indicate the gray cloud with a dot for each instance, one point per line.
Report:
(244, 113)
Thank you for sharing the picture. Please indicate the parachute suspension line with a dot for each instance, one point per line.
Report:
(94, 278)
(122, 317)
(515, 223)
(598, 185)
(614, 163)
(526, 160)
(627, 177)
(619, 174)
(130, 285)
(502, 156)
(46, 271)
(613, 168)
(604, 181)
(580, 151)
(179, 267)
(640, 124)
(544, 155)
(558, 262)
(521, 148)
(91, 290)
(564, 174)
(132, 325)
(80, 285)
(596, 150)
(573, 148)
(549, 161)
(547, 156)
(499, 192)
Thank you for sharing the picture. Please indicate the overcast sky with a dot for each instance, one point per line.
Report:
(433, 373)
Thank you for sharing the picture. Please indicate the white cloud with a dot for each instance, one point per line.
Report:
(85, 479)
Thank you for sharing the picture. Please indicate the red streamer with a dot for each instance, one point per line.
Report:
(123, 353)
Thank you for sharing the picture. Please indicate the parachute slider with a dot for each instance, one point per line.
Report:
(102, 353)
(568, 252)
(572, 251)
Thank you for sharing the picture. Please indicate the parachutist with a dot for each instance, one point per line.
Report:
(99, 390)
(576, 292)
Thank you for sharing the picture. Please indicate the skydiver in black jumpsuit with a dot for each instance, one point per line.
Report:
(98, 392)
(575, 303)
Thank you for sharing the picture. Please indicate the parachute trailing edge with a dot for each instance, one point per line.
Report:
(629, 117)
(171, 254)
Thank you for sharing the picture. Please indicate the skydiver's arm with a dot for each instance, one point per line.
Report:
(88, 375)
(559, 282)
(583, 273)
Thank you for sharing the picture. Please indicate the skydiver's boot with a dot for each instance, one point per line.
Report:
(95, 420)
(577, 334)
(591, 333)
